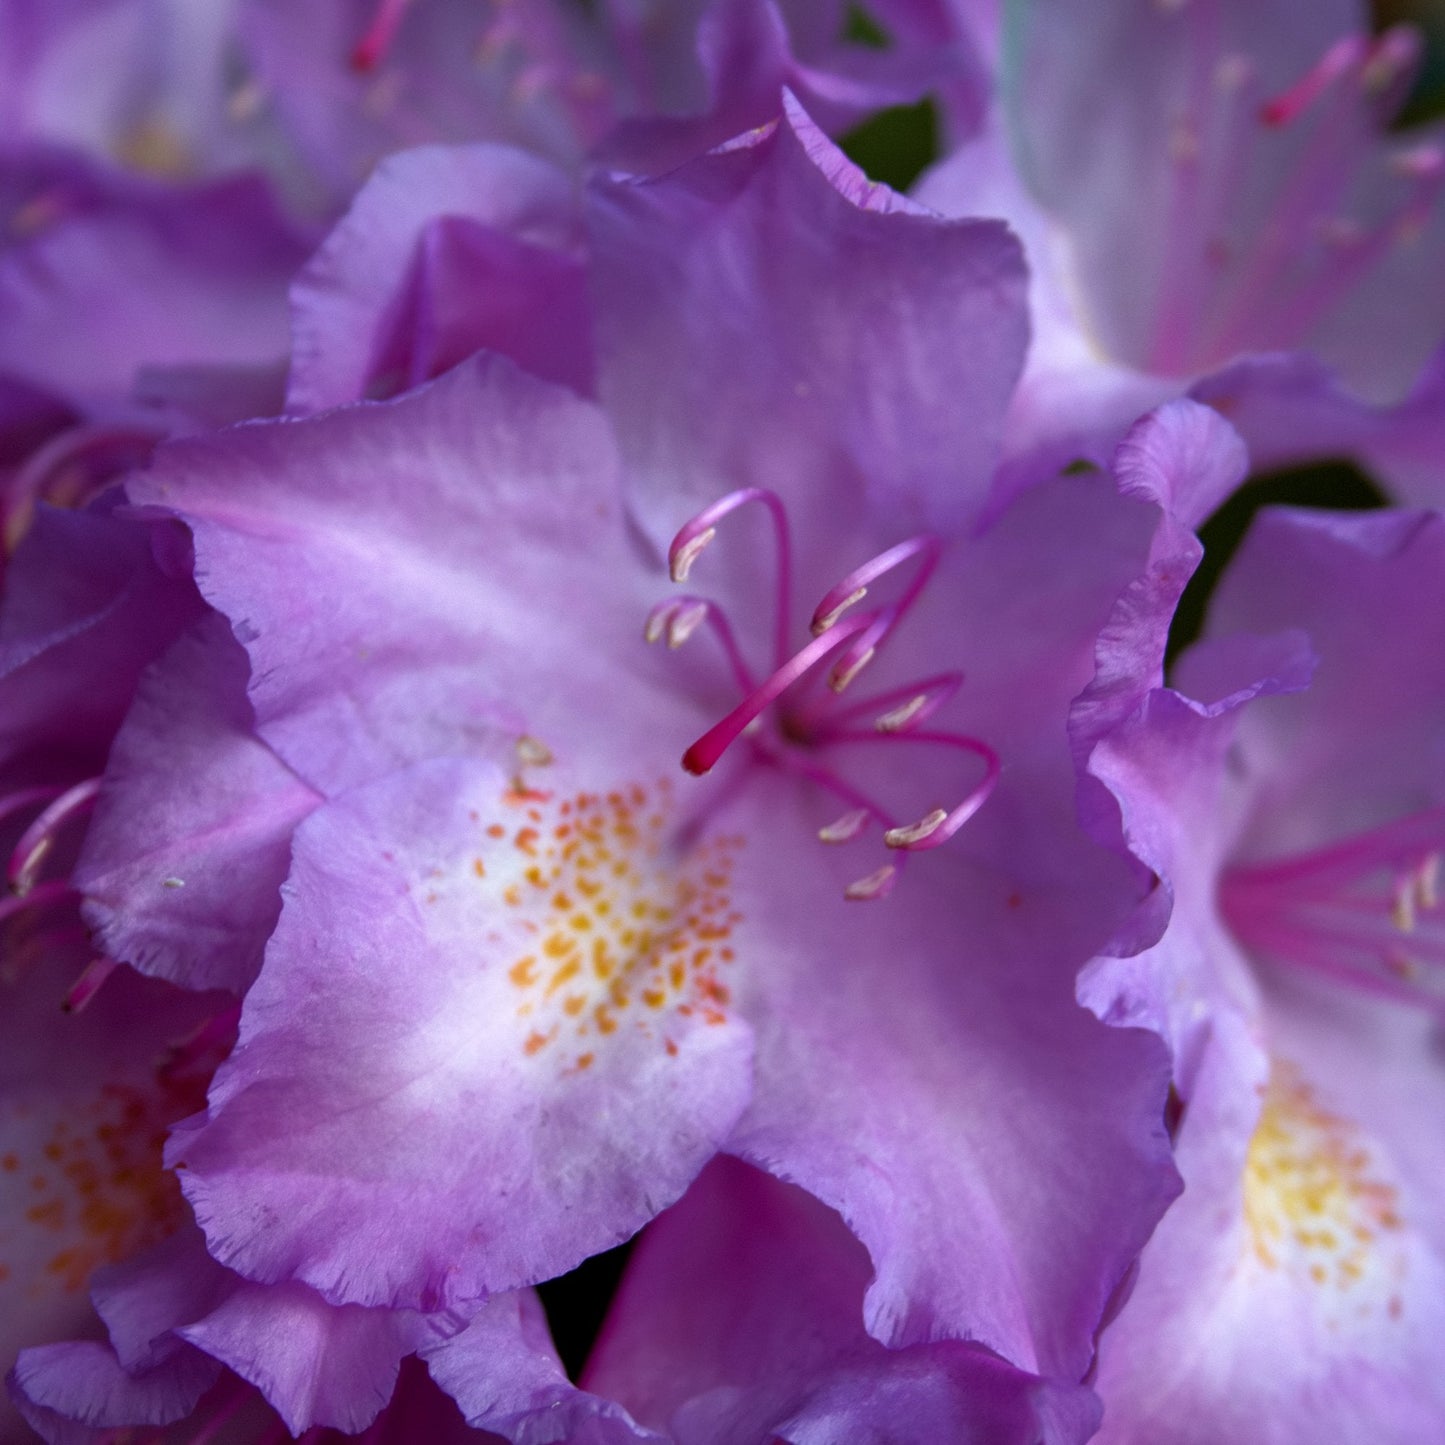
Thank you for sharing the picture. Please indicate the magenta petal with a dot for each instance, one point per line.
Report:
(427, 542)
(316, 1364)
(504, 1374)
(779, 236)
(152, 276)
(475, 245)
(144, 1298)
(414, 1116)
(1185, 459)
(86, 608)
(740, 1318)
(1291, 409)
(66, 1391)
(190, 842)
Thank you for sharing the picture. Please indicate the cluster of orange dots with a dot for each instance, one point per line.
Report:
(99, 1187)
(615, 929)
(1311, 1200)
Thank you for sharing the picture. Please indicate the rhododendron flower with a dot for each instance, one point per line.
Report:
(1289, 798)
(1282, 224)
(546, 977)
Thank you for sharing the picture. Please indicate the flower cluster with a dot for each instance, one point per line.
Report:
(581, 680)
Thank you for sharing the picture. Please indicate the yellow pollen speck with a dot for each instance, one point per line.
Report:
(1315, 1203)
(614, 919)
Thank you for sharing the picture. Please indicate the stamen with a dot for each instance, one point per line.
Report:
(684, 554)
(899, 709)
(849, 668)
(914, 835)
(822, 623)
(1388, 70)
(703, 755)
(848, 827)
(854, 587)
(69, 468)
(933, 831)
(533, 752)
(1364, 910)
(815, 721)
(88, 984)
(695, 535)
(54, 890)
(38, 839)
(25, 798)
(895, 720)
(1342, 57)
(373, 46)
(878, 884)
(684, 622)
(674, 619)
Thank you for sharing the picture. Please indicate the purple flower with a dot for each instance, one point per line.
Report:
(1288, 797)
(527, 980)
(1207, 187)
(740, 1319)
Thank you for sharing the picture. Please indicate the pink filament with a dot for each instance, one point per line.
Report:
(37, 840)
(689, 534)
(1357, 910)
(85, 988)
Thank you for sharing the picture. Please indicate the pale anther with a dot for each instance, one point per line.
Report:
(846, 671)
(684, 622)
(911, 833)
(898, 718)
(822, 624)
(1232, 72)
(1402, 909)
(657, 620)
(1427, 886)
(878, 884)
(846, 828)
(532, 752)
(685, 555)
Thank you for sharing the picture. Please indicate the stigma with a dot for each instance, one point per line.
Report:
(783, 722)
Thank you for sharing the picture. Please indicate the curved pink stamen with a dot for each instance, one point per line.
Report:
(898, 710)
(677, 618)
(693, 536)
(1365, 910)
(38, 839)
(79, 445)
(23, 799)
(88, 984)
(1343, 56)
(53, 890)
(897, 713)
(937, 827)
(854, 587)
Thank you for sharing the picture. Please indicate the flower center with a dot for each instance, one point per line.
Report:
(1365, 910)
(810, 728)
